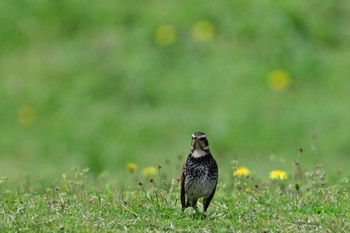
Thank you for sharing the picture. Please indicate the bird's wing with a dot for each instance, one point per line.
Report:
(182, 188)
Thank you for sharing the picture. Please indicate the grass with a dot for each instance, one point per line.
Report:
(108, 83)
(78, 203)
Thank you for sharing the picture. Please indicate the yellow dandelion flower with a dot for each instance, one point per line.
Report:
(241, 171)
(278, 80)
(165, 35)
(278, 175)
(132, 166)
(149, 171)
(26, 115)
(203, 31)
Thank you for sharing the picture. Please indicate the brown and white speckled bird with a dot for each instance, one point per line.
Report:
(199, 174)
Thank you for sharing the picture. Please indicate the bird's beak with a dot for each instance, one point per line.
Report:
(196, 139)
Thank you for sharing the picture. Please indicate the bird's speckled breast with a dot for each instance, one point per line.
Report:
(201, 177)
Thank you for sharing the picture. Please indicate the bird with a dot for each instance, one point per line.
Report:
(199, 175)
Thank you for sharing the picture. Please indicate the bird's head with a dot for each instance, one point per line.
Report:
(199, 145)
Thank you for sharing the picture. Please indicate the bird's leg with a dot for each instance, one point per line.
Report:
(196, 209)
(193, 203)
(194, 206)
(198, 212)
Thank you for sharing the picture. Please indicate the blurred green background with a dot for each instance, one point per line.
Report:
(99, 84)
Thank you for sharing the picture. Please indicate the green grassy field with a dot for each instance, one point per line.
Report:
(75, 203)
(108, 83)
